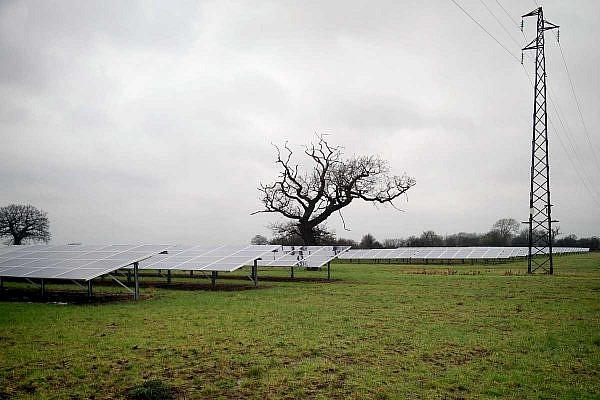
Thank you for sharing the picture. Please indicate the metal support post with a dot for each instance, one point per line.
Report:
(213, 278)
(168, 276)
(43, 287)
(328, 270)
(292, 272)
(89, 289)
(136, 282)
(255, 272)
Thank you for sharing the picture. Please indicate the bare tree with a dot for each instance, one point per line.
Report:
(503, 231)
(259, 239)
(23, 222)
(507, 226)
(430, 238)
(393, 243)
(555, 232)
(368, 241)
(308, 198)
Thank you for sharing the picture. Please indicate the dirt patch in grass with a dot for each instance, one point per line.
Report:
(63, 297)
(442, 272)
(433, 272)
(453, 356)
(219, 287)
(295, 279)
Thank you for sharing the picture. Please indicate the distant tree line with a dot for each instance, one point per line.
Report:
(504, 232)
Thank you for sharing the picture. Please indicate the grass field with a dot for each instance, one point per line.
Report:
(377, 331)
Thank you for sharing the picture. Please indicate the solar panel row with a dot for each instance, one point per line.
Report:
(448, 253)
(71, 262)
(302, 256)
(86, 262)
(206, 258)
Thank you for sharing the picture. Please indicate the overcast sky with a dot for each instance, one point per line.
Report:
(152, 121)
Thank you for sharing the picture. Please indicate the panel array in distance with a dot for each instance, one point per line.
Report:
(72, 262)
(302, 256)
(8, 249)
(448, 253)
(208, 258)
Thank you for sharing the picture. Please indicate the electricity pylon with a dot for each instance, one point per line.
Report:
(540, 220)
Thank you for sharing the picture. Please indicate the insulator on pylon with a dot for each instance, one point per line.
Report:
(521, 24)
(521, 58)
(558, 35)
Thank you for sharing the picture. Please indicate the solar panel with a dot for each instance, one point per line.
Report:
(302, 256)
(396, 253)
(436, 253)
(321, 257)
(421, 253)
(477, 252)
(206, 258)
(279, 258)
(449, 253)
(72, 262)
(8, 249)
(408, 253)
(352, 254)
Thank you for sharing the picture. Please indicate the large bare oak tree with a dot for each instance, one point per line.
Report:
(24, 222)
(307, 197)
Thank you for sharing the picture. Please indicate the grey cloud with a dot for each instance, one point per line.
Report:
(40, 40)
(154, 121)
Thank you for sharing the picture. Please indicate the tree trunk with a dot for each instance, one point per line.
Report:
(307, 234)
(17, 240)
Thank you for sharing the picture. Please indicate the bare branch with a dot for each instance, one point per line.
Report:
(343, 221)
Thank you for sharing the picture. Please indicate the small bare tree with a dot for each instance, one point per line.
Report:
(259, 239)
(309, 197)
(507, 226)
(503, 231)
(24, 222)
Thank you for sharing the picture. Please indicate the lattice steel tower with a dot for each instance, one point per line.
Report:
(540, 220)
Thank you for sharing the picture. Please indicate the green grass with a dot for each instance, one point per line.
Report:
(378, 332)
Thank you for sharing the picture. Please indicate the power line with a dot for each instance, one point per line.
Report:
(587, 134)
(500, 23)
(485, 30)
(580, 174)
(575, 166)
(508, 14)
(579, 167)
(569, 136)
(512, 19)
(565, 126)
